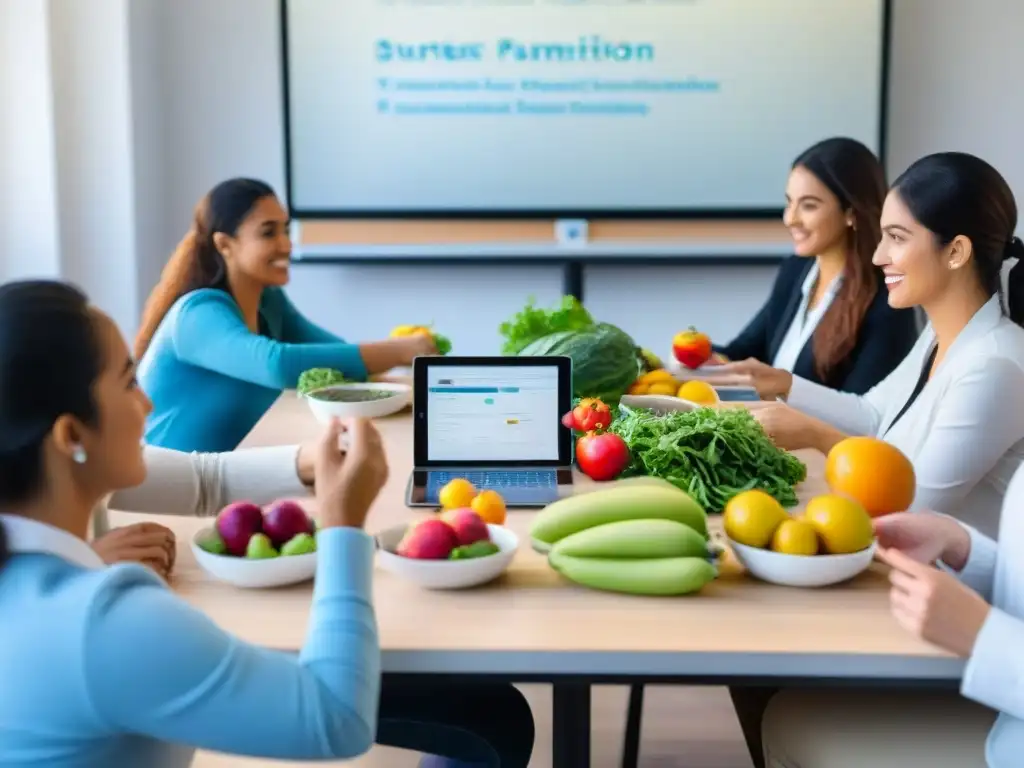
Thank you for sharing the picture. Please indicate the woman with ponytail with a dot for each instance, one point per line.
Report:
(953, 407)
(104, 667)
(219, 337)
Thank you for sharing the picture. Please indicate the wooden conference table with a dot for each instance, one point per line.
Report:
(531, 626)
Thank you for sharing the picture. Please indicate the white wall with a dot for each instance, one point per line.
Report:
(199, 99)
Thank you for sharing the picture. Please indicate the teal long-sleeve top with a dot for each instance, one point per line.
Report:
(105, 666)
(211, 379)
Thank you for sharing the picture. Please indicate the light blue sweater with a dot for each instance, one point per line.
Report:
(105, 667)
(211, 379)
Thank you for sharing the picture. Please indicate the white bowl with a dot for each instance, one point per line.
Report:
(254, 574)
(325, 410)
(447, 574)
(801, 570)
(660, 404)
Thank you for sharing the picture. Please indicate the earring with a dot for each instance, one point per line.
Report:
(78, 455)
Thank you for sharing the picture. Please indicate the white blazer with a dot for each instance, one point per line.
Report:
(965, 431)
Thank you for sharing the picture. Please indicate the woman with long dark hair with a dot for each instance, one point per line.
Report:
(953, 407)
(827, 318)
(220, 323)
(105, 666)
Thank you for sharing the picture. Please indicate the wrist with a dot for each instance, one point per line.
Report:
(825, 437)
(304, 465)
(958, 546)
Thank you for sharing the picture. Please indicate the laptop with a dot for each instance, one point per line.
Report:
(495, 421)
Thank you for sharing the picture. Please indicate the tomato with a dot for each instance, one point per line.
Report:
(591, 414)
(602, 455)
(568, 421)
(691, 348)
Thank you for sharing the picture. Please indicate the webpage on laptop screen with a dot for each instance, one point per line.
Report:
(496, 413)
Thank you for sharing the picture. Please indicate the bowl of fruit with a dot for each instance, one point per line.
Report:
(256, 548)
(454, 549)
(832, 541)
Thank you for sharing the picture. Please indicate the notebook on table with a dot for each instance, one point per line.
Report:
(495, 421)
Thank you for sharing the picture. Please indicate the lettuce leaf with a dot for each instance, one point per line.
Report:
(532, 323)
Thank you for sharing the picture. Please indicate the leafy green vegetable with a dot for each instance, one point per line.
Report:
(711, 453)
(443, 344)
(316, 378)
(532, 323)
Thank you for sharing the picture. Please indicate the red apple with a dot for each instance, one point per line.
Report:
(469, 527)
(285, 520)
(431, 539)
(236, 524)
(602, 456)
(692, 348)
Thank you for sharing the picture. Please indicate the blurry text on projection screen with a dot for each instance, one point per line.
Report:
(463, 105)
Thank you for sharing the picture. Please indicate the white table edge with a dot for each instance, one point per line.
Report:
(685, 664)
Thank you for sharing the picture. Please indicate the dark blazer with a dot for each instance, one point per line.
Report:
(885, 337)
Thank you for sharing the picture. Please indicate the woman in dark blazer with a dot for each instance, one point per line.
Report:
(828, 318)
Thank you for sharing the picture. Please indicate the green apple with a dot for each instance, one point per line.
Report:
(260, 548)
(213, 544)
(300, 544)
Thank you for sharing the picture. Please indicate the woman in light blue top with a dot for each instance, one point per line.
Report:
(219, 338)
(104, 666)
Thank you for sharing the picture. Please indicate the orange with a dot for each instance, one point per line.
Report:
(699, 392)
(751, 518)
(842, 524)
(490, 506)
(873, 472)
(637, 388)
(457, 493)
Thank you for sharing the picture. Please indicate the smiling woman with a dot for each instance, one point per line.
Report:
(220, 339)
(827, 318)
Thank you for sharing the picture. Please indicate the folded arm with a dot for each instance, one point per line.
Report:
(201, 484)
(155, 666)
(210, 333)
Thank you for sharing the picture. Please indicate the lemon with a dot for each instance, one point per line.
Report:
(751, 518)
(638, 388)
(699, 392)
(660, 375)
(661, 388)
(795, 537)
(842, 524)
(457, 493)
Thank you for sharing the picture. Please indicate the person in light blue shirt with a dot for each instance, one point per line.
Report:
(219, 338)
(104, 666)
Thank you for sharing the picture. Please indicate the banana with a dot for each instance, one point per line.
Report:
(631, 539)
(643, 481)
(630, 502)
(656, 577)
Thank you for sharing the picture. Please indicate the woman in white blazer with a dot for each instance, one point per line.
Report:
(952, 406)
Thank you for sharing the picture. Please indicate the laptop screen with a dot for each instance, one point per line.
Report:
(493, 413)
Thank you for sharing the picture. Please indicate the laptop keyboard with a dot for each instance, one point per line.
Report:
(495, 480)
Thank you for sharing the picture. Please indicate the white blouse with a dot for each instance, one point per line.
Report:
(965, 431)
(805, 321)
(994, 675)
(200, 484)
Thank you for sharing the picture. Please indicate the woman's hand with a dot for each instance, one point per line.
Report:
(769, 382)
(924, 537)
(934, 606)
(147, 543)
(792, 430)
(348, 480)
(416, 345)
